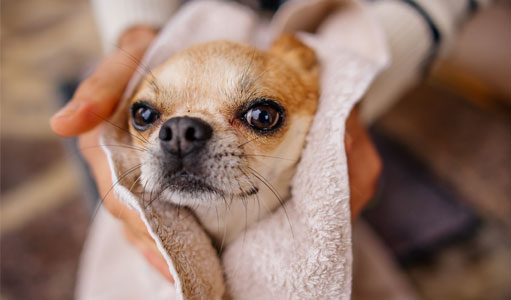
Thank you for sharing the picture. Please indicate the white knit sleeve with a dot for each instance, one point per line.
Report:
(411, 45)
(113, 17)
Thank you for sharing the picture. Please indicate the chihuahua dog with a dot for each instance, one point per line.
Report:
(223, 125)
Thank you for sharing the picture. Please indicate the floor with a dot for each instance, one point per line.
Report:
(452, 133)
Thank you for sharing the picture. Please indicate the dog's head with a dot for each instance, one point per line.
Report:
(223, 122)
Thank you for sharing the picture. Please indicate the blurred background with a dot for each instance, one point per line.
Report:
(439, 227)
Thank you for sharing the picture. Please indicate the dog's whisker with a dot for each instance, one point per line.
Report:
(144, 190)
(224, 238)
(118, 146)
(139, 137)
(152, 188)
(138, 63)
(151, 196)
(217, 222)
(244, 82)
(256, 195)
(266, 182)
(260, 75)
(121, 177)
(274, 191)
(119, 215)
(243, 200)
(157, 196)
(249, 141)
(135, 182)
(267, 156)
(152, 81)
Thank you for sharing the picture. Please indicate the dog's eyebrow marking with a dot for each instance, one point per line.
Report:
(245, 81)
(246, 88)
(155, 88)
(153, 81)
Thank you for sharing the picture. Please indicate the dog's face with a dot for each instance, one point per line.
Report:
(224, 123)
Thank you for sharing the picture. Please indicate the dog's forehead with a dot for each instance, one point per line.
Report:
(211, 75)
(211, 68)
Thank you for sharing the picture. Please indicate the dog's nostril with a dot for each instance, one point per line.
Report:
(195, 130)
(181, 136)
(190, 134)
(165, 134)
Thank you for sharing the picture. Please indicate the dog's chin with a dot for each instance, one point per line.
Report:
(185, 189)
(186, 183)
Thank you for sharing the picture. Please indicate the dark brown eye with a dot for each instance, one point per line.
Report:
(264, 116)
(143, 115)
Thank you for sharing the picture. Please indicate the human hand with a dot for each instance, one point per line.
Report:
(94, 101)
(364, 163)
(98, 95)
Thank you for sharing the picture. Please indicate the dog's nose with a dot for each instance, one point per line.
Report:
(183, 135)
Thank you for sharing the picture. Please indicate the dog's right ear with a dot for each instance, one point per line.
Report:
(295, 53)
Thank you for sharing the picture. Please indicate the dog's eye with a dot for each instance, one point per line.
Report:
(264, 116)
(143, 115)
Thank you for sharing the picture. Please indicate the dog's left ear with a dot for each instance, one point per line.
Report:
(295, 53)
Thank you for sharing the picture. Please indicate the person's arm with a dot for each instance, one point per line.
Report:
(417, 32)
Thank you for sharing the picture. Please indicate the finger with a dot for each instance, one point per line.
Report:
(158, 262)
(364, 164)
(98, 164)
(351, 129)
(97, 161)
(96, 97)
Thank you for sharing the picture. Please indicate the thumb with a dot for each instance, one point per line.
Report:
(97, 96)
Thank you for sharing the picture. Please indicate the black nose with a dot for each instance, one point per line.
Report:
(183, 135)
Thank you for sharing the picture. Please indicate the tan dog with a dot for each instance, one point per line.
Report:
(223, 125)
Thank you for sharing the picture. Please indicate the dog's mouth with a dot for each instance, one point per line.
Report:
(188, 183)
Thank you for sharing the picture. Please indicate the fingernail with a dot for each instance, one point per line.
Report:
(68, 110)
